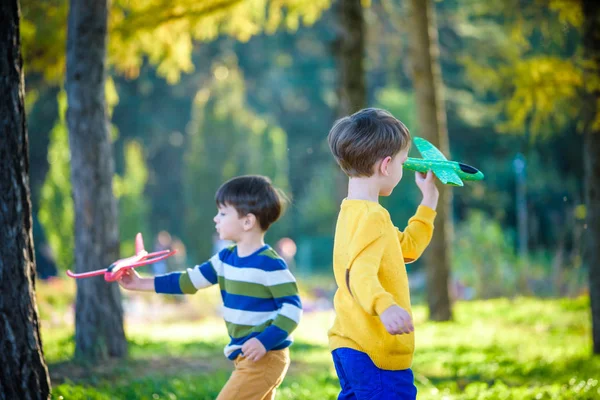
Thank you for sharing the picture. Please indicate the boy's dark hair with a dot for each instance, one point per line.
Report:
(253, 194)
(359, 140)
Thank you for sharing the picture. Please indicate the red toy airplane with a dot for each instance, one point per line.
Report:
(118, 268)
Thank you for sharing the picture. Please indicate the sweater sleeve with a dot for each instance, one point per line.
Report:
(417, 234)
(187, 282)
(289, 312)
(367, 251)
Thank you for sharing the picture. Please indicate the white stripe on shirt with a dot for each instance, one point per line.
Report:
(248, 318)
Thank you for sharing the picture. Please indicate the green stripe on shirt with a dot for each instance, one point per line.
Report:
(258, 290)
(237, 331)
(186, 285)
(285, 323)
(270, 253)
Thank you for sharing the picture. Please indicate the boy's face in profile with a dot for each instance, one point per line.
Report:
(229, 225)
(391, 172)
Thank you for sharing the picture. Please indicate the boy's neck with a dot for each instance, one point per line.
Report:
(249, 243)
(363, 189)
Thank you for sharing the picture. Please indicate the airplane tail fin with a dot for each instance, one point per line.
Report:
(139, 243)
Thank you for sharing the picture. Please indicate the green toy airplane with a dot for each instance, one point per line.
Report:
(448, 172)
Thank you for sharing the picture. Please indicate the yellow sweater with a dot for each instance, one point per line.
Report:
(374, 251)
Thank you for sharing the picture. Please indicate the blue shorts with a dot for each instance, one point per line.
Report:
(360, 379)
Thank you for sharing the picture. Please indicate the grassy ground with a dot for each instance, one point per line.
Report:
(496, 349)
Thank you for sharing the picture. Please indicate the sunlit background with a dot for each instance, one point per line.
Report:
(199, 93)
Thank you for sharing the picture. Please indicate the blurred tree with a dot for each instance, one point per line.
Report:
(291, 78)
(162, 31)
(350, 52)
(591, 38)
(24, 374)
(295, 81)
(56, 211)
(350, 49)
(545, 91)
(428, 85)
(98, 314)
(133, 206)
(484, 260)
(246, 143)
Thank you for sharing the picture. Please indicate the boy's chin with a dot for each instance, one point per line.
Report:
(228, 238)
(223, 237)
(386, 192)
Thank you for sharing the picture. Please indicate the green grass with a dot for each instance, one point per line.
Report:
(496, 349)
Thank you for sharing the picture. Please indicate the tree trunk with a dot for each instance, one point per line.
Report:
(98, 315)
(591, 150)
(428, 87)
(23, 372)
(350, 49)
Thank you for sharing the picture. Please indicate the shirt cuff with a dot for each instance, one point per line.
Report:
(426, 213)
(383, 303)
(272, 336)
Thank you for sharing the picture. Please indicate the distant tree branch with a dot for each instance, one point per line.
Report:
(152, 18)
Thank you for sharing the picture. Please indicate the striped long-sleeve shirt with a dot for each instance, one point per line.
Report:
(260, 295)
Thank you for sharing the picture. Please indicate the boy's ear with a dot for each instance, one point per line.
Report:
(383, 167)
(249, 221)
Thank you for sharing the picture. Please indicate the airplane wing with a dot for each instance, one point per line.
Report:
(427, 150)
(447, 176)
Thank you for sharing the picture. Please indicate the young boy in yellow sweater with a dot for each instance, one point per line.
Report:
(372, 339)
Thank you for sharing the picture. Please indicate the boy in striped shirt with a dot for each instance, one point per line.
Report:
(260, 296)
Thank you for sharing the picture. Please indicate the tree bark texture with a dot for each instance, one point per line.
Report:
(428, 85)
(591, 150)
(23, 372)
(99, 315)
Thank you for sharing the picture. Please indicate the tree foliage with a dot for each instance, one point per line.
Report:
(508, 66)
(162, 31)
(226, 138)
(529, 60)
(56, 211)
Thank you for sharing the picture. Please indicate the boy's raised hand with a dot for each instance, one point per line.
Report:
(253, 349)
(426, 183)
(397, 320)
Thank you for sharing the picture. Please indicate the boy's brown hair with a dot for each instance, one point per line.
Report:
(253, 194)
(359, 140)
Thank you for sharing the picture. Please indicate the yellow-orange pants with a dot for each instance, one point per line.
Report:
(256, 380)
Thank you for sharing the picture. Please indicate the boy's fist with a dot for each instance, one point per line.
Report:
(396, 320)
(130, 280)
(253, 349)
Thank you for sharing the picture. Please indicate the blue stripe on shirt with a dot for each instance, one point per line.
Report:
(168, 284)
(272, 336)
(240, 341)
(208, 270)
(256, 260)
(286, 343)
(248, 303)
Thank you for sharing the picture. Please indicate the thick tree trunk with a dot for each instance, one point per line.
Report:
(352, 89)
(98, 316)
(427, 81)
(591, 149)
(23, 372)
